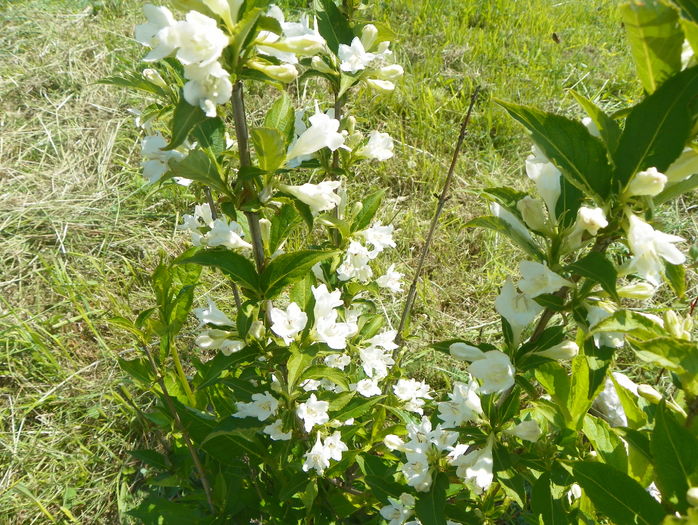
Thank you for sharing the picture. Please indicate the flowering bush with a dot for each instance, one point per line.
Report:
(304, 414)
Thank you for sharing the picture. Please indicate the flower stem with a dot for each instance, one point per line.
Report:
(434, 222)
(180, 371)
(245, 162)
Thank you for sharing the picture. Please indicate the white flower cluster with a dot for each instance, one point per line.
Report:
(198, 43)
(219, 338)
(319, 456)
(366, 53)
(207, 231)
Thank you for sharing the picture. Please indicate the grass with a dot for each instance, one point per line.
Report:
(79, 233)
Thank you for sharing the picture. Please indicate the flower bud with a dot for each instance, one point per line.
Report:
(356, 208)
(380, 85)
(393, 442)
(391, 72)
(692, 496)
(649, 393)
(265, 227)
(683, 167)
(564, 350)
(257, 330)
(678, 326)
(368, 36)
(640, 290)
(350, 124)
(318, 64)
(152, 75)
(283, 73)
(591, 126)
(591, 219)
(649, 182)
(526, 430)
(465, 352)
(532, 211)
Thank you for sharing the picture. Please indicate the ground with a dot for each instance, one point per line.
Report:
(79, 230)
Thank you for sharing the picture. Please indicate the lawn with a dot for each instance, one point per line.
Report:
(80, 231)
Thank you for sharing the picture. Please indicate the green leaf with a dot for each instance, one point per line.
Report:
(551, 301)
(635, 415)
(676, 277)
(186, 117)
(270, 147)
(236, 266)
(297, 364)
(234, 438)
(151, 458)
(281, 117)
(334, 26)
(245, 31)
(499, 225)
(581, 158)
(368, 210)
(156, 510)
(549, 510)
(655, 40)
(675, 452)
(690, 30)
(139, 369)
(288, 268)
(657, 129)
(507, 197)
(598, 268)
(211, 134)
(609, 128)
(431, 506)
(325, 372)
(133, 80)
(674, 190)
(554, 379)
(629, 322)
(357, 408)
(675, 354)
(198, 166)
(609, 446)
(281, 225)
(213, 368)
(617, 495)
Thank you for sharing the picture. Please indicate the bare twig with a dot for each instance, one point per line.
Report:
(434, 222)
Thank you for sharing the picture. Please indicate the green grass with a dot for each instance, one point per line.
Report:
(79, 234)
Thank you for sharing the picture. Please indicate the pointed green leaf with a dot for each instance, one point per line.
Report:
(655, 40)
(607, 444)
(198, 166)
(185, 118)
(325, 372)
(368, 210)
(333, 26)
(281, 225)
(580, 157)
(289, 267)
(598, 268)
(499, 225)
(211, 134)
(609, 128)
(270, 147)
(281, 117)
(431, 506)
(676, 277)
(236, 266)
(657, 129)
(673, 191)
(617, 495)
(549, 510)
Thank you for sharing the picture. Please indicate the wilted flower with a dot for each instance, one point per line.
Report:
(494, 370)
(313, 412)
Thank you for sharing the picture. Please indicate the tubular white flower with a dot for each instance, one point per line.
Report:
(596, 314)
(399, 510)
(533, 213)
(156, 160)
(414, 393)
(354, 58)
(639, 290)
(390, 73)
(546, 176)
(518, 309)
(495, 372)
(320, 197)
(213, 339)
(648, 182)
(368, 388)
(465, 352)
(417, 472)
(334, 334)
(474, 468)
(369, 33)
(287, 324)
(392, 280)
(334, 446)
(648, 247)
(276, 432)
(528, 430)
(261, 407)
(282, 72)
(322, 133)
(199, 40)
(212, 315)
(207, 87)
(317, 457)
(157, 32)
(378, 147)
(380, 237)
(464, 405)
(226, 233)
(562, 351)
(355, 264)
(386, 86)
(313, 412)
(325, 301)
(339, 361)
(538, 279)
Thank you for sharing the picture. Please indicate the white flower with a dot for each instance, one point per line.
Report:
(474, 467)
(261, 407)
(596, 314)
(399, 510)
(289, 323)
(276, 432)
(207, 87)
(538, 279)
(310, 385)
(511, 219)
(354, 58)
(394, 442)
(157, 32)
(325, 301)
(533, 213)
(378, 147)
(495, 372)
(564, 350)
(156, 160)
(313, 412)
(384, 340)
(589, 220)
(527, 430)
(517, 308)
(463, 407)
(297, 38)
(376, 361)
(213, 339)
(355, 263)
(648, 247)
(591, 126)
(649, 182)
(317, 457)
(212, 315)
(608, 404)
(339, 361)
(320, 197)
(226, 233)
(683, 167)
(322, 133)
(334, 334)
(380, 237)
(546, 176)
(413, 393)
(637, 290)
(392, 280)
(368, 388)
(417, 472)
(390, 73)
(334, 446)
(686, 54)
(199, 40)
